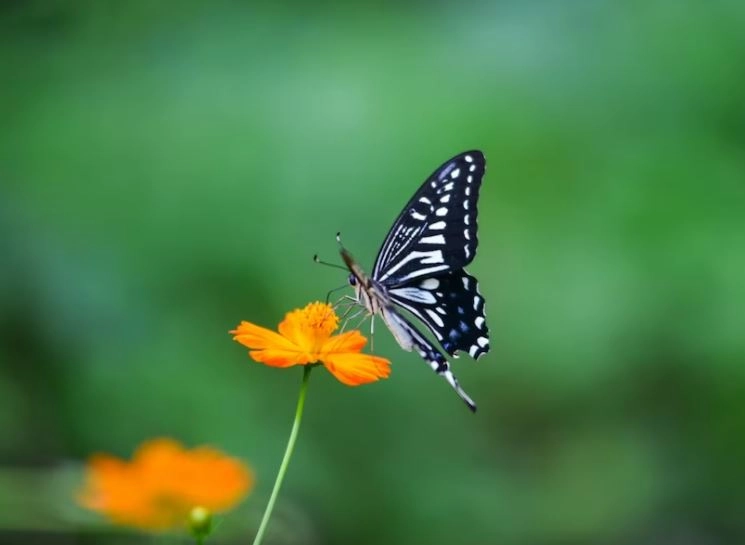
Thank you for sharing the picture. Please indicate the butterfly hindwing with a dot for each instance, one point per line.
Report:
(451, 306)
(405, 331)
(436, 230)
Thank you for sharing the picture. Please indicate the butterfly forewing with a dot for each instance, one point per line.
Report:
(436, 230)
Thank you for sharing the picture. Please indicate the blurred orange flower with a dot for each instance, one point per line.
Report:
(162, 483)
(305, 337)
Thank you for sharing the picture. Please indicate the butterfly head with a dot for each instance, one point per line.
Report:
(352, 280)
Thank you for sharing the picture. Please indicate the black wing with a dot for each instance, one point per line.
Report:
(451, 306)
(436, 230)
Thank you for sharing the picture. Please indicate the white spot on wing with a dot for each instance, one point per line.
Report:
(465, 204)
(425, 200)
(417, 216)
(466, 219)
(472, 168)
(438, 225)
(429, 283)
(455, 173)
(467, 234)
(468, 159)
(414, 294)
(466, 281)
(479, 321)
(472, 351)
(445, 198)
(469, 178)
(468, 191)
(475, 302)
(467, 251)
(482, 341)
(441, 211)
(448, 186)
(432, 257)
(434, 239)
(435, 318)
(422, 272)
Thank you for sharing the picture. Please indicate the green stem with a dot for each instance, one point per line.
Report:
(286, 460)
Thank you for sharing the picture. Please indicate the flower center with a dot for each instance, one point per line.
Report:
(320, 320)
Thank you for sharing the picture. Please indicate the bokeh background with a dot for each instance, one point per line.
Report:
(169, 169)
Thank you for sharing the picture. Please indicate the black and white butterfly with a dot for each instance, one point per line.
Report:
(420, 268)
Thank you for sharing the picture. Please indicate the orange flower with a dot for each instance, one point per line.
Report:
(305, 338)
(162, 483)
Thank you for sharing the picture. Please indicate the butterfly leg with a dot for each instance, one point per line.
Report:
(344, 300)
(328, 295)
(354, 315)
(344, 309)
(346, 303)
(345, 318)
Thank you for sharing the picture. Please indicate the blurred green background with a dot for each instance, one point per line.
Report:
(169, 169)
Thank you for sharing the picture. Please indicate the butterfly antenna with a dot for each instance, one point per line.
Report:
(322, 262)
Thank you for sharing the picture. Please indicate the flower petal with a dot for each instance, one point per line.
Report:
(293, 329)
(351, 341)
(162, 483)
(281, 358)
(259, 338)
(356, 369)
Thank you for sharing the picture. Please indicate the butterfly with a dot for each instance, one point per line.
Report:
(420, 268)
